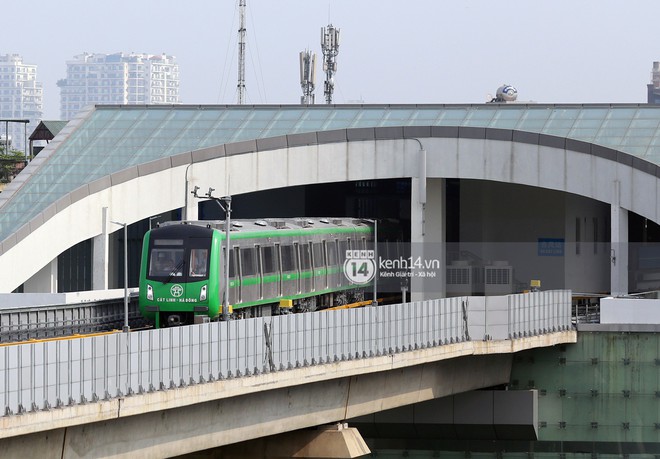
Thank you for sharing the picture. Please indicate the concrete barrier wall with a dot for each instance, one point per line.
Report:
(45, 375)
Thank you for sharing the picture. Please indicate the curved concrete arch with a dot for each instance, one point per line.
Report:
(501, 155)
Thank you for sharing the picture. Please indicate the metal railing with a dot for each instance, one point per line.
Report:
(49, 374)
(47, 321)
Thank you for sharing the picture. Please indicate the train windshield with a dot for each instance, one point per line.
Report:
(198, 262)
(166, 262)
(184, 259)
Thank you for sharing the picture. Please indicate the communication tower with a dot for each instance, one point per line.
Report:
(330, 48)
(241, 53)
(654, 88)
(307, 76)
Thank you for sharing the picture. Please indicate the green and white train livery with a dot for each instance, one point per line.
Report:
(274, 266)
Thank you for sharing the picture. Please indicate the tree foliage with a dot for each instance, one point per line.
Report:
(10, 163)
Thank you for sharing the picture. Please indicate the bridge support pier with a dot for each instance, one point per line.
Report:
(336, 441)
(100, 255)
(619, 248)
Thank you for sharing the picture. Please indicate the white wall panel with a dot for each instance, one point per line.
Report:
(644, 189)
(552, 167)
(578, 177)
(498, 157)
(471, 158)
(332, 162)
(441, 158)
(526, 169)
(361, 160)
(303, 165)
(272, 167)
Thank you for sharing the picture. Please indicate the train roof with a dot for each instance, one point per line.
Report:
(247, 226)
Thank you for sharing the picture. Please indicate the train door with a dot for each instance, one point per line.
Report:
(290, 274)
(235, 274)
(320, 271)
(250, 272)
(344, 245)
(259, 275)
(278, 252)
(306, 269)
(299, 266)
(270, 271)
(330, 249)
(234, 279)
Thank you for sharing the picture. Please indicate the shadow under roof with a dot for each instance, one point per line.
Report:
(105, 139)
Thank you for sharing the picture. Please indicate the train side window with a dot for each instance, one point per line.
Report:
(248, 262)
(331, 251)
(305, 257)
(317, 255)
(289, 258)
(270, 259)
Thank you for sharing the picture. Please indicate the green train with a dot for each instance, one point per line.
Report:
(275, 266)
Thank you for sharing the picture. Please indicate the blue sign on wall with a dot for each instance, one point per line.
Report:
(550, 247)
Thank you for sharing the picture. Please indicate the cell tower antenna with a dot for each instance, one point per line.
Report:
(307, 76)
(241, 53)
(330, 48)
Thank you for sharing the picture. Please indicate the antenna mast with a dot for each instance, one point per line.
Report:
(241, 53)
(307, 76)
(330, 48)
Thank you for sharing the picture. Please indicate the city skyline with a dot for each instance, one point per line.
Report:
(391, 51)
(118, 79)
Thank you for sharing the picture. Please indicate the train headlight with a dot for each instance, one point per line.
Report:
(202, 294)
(150, 293)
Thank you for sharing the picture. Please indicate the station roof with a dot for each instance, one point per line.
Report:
(106, 139)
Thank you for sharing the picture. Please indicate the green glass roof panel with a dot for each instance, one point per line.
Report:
(506, 119)
(107, 139)
(583, 133)
(479, 118)
(425, 114)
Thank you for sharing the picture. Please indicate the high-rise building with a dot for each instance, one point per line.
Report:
(119, 78)
(21, 98)
(654, 87)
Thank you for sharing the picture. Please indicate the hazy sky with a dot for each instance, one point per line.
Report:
(392, 51)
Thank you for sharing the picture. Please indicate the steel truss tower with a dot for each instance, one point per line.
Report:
(330, 48)
(241, 53)
(307, 76)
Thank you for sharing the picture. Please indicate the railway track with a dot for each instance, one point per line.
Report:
(39, 322)
(30, 323)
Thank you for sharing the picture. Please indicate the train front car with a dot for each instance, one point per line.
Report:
(179, 274)
(276, 266)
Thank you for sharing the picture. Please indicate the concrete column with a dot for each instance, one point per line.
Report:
(190, 210)
(619, 244)
(100, 255)
(428, 240)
